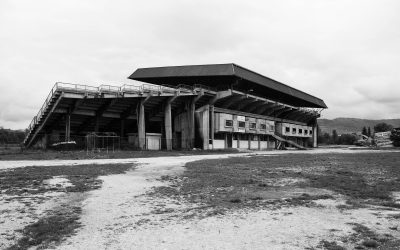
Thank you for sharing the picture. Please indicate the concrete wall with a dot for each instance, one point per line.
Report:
(263, 145)
(281, 128)
(220, 122)
(254, 144)
(218, 144)
(244, 144)
(249, 122)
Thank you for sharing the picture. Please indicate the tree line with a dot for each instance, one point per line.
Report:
(9, 136)
(350, 139)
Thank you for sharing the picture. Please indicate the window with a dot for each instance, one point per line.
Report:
(300, 131)
(310, 132)
(287, 129)
(305, 131)
(228, 123)
(252, 125)
(242, 124)
(294, 130)
(263, 126)
(271, 128)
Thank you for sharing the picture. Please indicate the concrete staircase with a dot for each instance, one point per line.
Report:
(281, 140)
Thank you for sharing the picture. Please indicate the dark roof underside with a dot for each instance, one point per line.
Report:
(222, 76)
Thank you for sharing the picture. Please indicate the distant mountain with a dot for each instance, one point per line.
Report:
(350, 125)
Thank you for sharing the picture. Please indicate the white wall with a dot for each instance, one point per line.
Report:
(219, 144)
(253, 144)
(244, 144)
(263, 144)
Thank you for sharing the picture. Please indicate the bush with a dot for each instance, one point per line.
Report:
(395, 137)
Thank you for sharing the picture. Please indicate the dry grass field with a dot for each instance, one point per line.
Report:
(271, 200)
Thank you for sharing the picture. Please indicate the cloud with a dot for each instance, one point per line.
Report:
(345, 52)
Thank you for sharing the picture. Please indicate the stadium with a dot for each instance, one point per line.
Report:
(215, 106)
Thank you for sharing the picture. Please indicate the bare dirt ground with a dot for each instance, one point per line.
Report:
(317, 199)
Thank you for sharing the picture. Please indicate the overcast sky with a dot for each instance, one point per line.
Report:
(345, 52)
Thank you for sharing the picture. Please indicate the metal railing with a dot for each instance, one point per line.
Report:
(80, 88)
(109, 89)
(126, 88)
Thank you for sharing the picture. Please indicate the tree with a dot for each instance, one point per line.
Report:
(395, 137)
(347, 139)
(364, 131)
(334, 137)
(369, 131)
(382, 127)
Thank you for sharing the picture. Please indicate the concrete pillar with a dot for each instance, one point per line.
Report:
(45, 141)
(205, 129)
(212, 125)
(67, 127)
(191, 124)
(97, 124)
(188, 125)
(315, 136)
(168, 126)
(141, 126)
(122, 131)
(203, 119)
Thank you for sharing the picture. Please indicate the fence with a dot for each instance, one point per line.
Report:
(105, 141)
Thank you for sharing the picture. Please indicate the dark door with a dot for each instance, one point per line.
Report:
(229, 140)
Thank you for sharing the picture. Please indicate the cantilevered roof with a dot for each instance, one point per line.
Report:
(222, 76)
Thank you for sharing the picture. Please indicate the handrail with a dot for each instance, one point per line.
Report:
(61, 86)
(151, 88)
(129, 88)
(201, 86)
(109, 88)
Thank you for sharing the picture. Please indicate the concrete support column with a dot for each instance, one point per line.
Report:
(168, 126)
(67, 127)
(141, 126)
(97, 124)
(45, 141)
(315, 136)
(191, 124)
(212, 125)
(122, 131)
(206, 127)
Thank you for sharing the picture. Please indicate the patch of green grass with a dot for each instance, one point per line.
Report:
(364, 178)
(30, 179)
(62, 221)
(50, 229)
(82, 154)
(331, 245)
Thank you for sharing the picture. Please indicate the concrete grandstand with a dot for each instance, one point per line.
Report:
(212, 106)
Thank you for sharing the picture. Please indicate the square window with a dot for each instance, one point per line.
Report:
(242, 124)
(305, 131)
(287, 129)
(300, 131)
(271, 128)
(263, 126)
(228, 123)
(252, 125)
(294, 130)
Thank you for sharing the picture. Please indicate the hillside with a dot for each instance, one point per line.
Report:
(350, 125)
